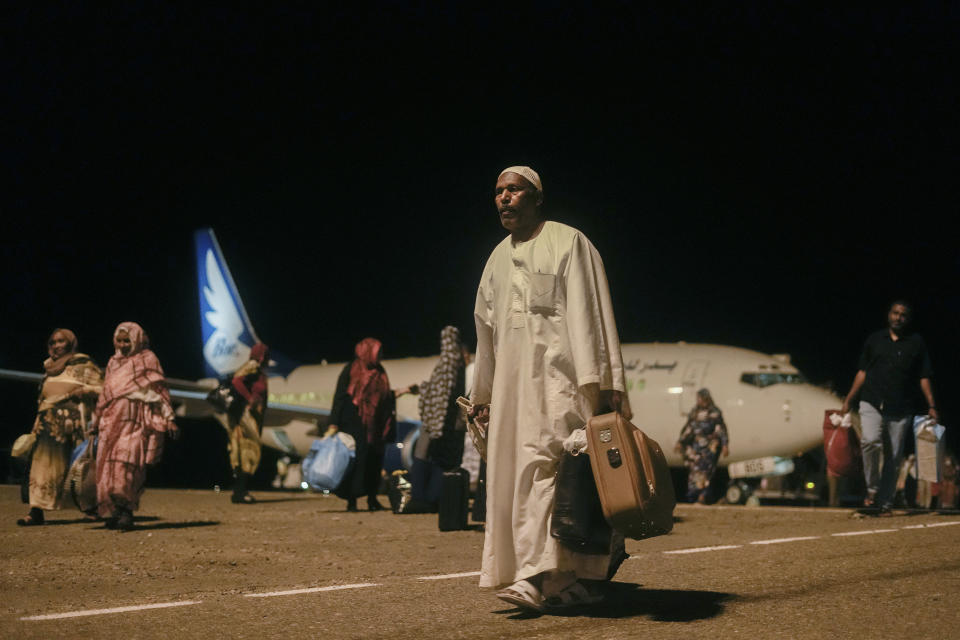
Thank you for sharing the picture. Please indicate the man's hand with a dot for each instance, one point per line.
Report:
(480, 414)
(332, 429)
(678, 448)
(845, 409)
(413, 389)
(725, 452)
(933, 414)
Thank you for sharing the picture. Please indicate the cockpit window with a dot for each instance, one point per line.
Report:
(767, 379)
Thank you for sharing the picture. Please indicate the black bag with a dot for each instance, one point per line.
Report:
(577, 521)
(479, 513)
(453, 500)
(225, 399)
(400, 495)
(398, 491)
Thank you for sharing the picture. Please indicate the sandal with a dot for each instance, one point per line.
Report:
(29, 521)
(573, 596)
(524, 595)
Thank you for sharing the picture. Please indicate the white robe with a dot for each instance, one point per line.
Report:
(547, 344)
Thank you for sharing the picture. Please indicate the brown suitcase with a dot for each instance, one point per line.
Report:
(632, 477)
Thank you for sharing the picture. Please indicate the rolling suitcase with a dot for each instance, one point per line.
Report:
(632, 477)
(453, 500)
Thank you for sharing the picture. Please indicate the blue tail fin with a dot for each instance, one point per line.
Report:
(225, 328)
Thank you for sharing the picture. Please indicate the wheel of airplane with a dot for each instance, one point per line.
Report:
(736, 493)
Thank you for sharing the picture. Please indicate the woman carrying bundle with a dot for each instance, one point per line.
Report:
(68, 394)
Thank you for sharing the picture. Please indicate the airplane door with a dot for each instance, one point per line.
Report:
(692, 381)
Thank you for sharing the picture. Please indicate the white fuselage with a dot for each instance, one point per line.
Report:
(771, 411)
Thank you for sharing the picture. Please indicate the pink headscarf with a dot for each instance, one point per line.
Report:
(138, 370)
(368, 382)
(138, 338)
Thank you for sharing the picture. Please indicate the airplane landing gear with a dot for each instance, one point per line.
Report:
(739, 492)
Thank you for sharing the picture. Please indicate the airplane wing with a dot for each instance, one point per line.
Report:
(21, 376)
(287, 412)
(190, 399)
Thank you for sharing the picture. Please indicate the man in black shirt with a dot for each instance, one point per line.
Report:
(892, 364)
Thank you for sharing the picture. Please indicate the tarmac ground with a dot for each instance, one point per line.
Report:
(296, 565)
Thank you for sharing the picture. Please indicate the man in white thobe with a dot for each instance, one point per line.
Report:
(548, 356)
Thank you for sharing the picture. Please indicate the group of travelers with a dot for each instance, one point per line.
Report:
(548, 358)
(124, 415)
(364, 407)
(126, 408)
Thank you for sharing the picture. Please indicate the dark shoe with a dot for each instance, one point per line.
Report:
(352, 504)
(125, 521)
(240, 493)
(884, 512)
(32, 519)
(373, 505)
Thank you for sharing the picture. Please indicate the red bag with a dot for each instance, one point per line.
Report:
(842, 447)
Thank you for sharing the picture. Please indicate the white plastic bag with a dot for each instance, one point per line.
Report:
(930, 448)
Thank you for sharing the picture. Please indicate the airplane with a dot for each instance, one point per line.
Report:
(773, 414)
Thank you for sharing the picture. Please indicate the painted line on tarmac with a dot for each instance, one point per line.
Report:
(802, 538)
(779, 540)
(863, 533)
(467, 574)
(764, 508)
(702, 549)
(293, 592)
(100, 612)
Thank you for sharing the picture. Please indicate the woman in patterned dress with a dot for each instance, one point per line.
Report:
(703, 440)
(134, 417)
(439, 447)
(68, 394)
(244, 426)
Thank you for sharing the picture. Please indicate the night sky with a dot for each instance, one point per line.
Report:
(770, 178)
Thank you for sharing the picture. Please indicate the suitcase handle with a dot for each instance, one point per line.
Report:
(648, 471)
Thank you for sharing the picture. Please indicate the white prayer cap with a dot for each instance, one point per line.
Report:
(527, 173)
